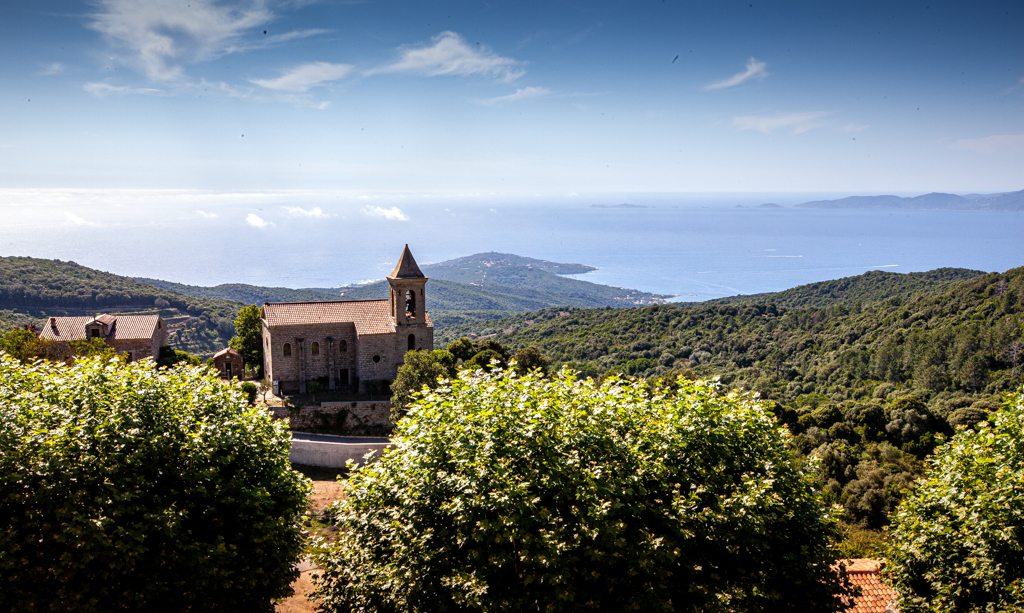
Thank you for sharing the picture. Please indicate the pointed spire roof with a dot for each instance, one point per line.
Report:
(406, 267)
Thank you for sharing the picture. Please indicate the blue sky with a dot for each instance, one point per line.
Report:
(510, 98)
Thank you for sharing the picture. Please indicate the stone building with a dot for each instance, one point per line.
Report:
(346, 343)
(228, 363)
(138, 336)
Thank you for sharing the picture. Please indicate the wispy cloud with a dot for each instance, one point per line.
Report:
(106, 89)
(799, 122)
(451, 55)
(205, 215)
(74, 220)
(52, 69)
(256, 221)
(755, 70)
(998, 143)
(296, 211)
(521, 94)
(392, 214)
(301, 78)
(161, 35)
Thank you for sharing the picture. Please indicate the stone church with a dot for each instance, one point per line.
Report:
(343, 344)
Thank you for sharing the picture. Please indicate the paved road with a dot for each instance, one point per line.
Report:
(330, 438)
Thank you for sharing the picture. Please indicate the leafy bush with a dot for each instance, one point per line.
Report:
(128, 488)
(508, 493)
(421, 369)
(250, 390)
(957, 543)
(169, 356)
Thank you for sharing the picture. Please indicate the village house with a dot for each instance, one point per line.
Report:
(228, 363)
(136, 336)
(347, 343)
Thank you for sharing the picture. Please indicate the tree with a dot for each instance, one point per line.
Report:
(138, 488)
(956, 539)
(462, 349)
(169, 357)
(248, 339)
(485, 360)
(530, 358)
(421, 369)
(508, 493)
(264, 388)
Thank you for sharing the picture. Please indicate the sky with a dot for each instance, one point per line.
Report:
(378, 99)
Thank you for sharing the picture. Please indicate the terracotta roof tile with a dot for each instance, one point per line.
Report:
(876, 597)
(123, 327)
(369, 316)
(226, 351)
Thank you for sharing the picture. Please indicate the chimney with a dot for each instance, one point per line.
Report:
(53, 322)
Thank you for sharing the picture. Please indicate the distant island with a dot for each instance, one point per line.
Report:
(1008, 201)
(770, 205)
(624, 205)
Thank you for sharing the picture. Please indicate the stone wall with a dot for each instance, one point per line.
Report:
(345, 418)
(302, 363)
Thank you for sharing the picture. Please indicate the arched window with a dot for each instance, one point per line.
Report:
(412, 342)
(342, 345)
(410, 303)
(315, 348)
(376, 359)
(287, 350)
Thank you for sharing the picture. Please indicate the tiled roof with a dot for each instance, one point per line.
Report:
(876, 597)
(122, 327)
(226, 351)
(369, 316)
(406, 267)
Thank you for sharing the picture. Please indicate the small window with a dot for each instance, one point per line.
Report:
(95, 333)
(343, 345)
(376, 359)
(159, 324)
(412, 342)
(410, 303)
(315, 348)
(287, 350)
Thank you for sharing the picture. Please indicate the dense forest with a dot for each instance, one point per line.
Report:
(869, 388)
(32, 289)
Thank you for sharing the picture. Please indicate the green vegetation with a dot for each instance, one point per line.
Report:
(872, 286)
(869, 388)
(508, 493)
(957, 541)
(135, 488)
(33, 289)
(248, 339)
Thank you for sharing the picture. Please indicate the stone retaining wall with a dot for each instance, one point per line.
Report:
(332, 455)
(345, 418)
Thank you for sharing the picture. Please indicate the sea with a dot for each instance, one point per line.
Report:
(692, 247)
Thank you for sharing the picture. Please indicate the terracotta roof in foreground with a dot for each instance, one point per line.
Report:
(227, 351)
(369, 316)
(876, 597)
(122, 327)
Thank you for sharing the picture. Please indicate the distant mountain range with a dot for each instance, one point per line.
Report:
(1008, 201)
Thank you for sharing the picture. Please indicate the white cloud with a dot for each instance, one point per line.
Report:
(74, 220)
(450, 55)
(315, 212)
(998, 143)
(106, 89)
(521, 94)
(800, 122)
(205, 215)
(392, 214)
(52, 69)
(301, 78)
(256, 221)
(755, 70)
(160, 35)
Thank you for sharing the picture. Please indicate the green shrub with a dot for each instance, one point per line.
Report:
(133, 488)
(957, 542)
(529, 494)
(250, 390)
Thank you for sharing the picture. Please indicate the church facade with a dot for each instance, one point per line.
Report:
(343, 344)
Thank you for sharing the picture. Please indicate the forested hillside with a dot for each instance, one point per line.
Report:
(869, 388)
(32, 289)
(872, 286)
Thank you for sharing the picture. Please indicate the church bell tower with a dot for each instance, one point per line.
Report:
(408, 295)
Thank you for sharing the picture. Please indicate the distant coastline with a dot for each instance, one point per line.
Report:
(1007, 201)
(624, 205)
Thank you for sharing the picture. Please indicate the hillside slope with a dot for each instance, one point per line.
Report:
(32, 289)
(1007, 201)
(965, 338)
(872, 286)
